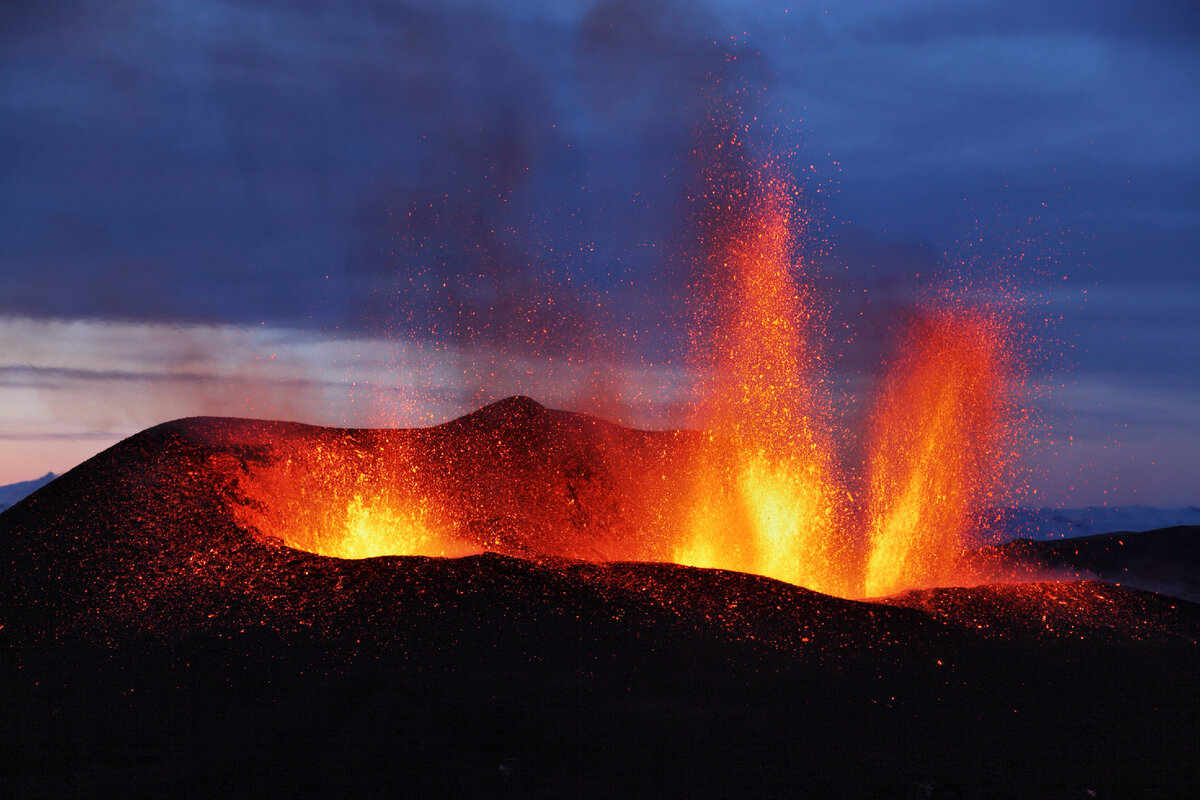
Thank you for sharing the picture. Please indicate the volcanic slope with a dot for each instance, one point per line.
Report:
(1166, 561)
(159, 638)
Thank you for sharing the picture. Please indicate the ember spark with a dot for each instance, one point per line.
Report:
(760, 489)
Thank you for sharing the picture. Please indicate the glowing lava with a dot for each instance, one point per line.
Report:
(339, 498)
(940, 449)
(761, 490)
(764, 495)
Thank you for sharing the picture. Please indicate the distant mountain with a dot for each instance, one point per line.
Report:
(1060, 523)
(13, 493)
(1164, 560)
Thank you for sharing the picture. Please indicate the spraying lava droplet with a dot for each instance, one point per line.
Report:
(761, 489)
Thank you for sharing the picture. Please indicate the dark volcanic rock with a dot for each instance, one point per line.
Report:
(153, 645)
(1166, 561)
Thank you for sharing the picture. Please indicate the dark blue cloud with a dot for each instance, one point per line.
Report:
(218, 161)
(519, 173)
(1156, 22)
(485, 172)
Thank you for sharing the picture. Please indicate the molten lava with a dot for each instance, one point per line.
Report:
(343, 499)
(765, 498)
(766, 495)
(760, 490)
(939, 449)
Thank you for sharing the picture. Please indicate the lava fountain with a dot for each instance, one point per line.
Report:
(767, 495)
(941, 446)
(764, 495)
(761, 488)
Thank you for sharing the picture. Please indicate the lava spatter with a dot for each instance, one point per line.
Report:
(764, 496)
(940, 448)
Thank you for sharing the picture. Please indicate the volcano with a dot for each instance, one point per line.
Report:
(227, 607)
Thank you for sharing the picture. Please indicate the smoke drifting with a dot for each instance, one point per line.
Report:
(506, 188)
(456, 172)
(514, 182)
(548, 217)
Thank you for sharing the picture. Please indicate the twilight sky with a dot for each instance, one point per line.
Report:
(380, 212)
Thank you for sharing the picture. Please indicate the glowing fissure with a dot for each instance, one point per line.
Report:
(760, 491)
(348, 502)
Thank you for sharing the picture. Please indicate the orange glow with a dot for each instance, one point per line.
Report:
(759, 490)
(339, 498)
(769, 504)
(939, 449)
(766, 493)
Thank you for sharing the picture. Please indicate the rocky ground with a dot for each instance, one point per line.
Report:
(153, 646)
